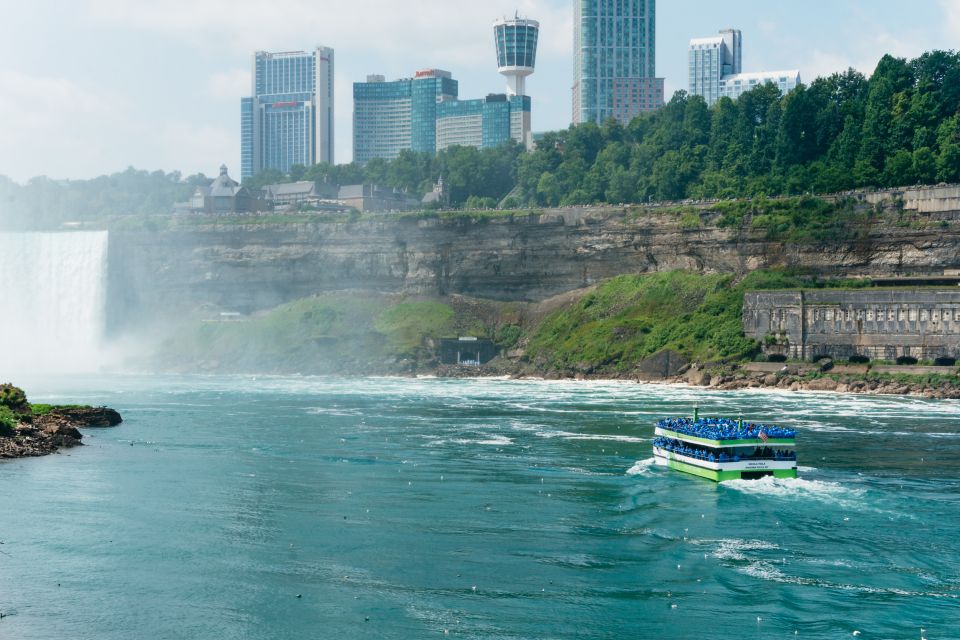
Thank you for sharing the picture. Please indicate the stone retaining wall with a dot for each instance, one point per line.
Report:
(876, 323)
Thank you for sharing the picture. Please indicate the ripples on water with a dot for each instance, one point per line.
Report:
(479, 509)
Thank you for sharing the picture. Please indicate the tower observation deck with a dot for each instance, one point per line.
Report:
(516, 40)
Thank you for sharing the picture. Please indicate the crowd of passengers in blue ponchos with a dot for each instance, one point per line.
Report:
(684, 449)
(725, 429)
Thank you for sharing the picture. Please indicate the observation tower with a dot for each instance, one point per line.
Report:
(516, 41)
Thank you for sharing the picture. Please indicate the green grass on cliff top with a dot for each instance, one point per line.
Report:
(630, 318)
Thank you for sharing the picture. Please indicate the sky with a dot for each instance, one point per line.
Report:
(89, 87)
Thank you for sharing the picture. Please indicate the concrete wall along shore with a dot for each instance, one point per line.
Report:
(875, 323)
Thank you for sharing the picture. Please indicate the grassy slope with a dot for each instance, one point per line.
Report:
(608, 329)
(333, 332)
(629, 318)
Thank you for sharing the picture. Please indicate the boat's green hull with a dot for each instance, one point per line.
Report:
(721, 476)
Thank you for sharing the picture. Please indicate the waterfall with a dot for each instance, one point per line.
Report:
(53, 290)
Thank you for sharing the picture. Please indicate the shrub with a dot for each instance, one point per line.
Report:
(508, 336)
(13, 398)
(8, 421)
(945, 362)
(858, 359)
(906, 360)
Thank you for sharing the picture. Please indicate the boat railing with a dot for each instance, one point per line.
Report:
(725, 429)
(675, 446)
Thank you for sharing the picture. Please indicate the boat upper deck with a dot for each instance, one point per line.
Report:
(724, 432)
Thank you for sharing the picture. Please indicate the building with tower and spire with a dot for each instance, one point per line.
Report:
(500, 117)
(388, 117)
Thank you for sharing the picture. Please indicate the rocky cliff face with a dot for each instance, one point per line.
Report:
(156, 276)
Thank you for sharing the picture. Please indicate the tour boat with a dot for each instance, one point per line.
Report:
(722, 449)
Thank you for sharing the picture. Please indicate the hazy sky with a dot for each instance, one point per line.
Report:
(93, 86)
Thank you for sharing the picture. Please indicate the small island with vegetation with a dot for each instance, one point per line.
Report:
(29, 430)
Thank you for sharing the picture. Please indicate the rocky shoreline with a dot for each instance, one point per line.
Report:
(788, 379)
(730, 377)
(46, 433)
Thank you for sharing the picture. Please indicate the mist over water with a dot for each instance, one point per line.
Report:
(53, 295)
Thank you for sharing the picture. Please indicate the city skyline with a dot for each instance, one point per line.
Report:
(65, 117)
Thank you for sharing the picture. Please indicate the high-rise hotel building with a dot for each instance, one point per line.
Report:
(716, 69)
(288, 119)
(389, 117)
(614, 67)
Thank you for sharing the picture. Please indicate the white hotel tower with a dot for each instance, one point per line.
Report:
(716, 69)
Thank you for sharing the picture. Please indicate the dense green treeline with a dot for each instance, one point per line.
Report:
(899, 127)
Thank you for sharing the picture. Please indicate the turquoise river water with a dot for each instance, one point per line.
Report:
(241, 507)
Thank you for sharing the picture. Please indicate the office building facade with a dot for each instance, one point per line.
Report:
(484, 123)
(615, 60)
(734, 86)
(389, 117)
(716, 69)
(288, 119)
(711, 59)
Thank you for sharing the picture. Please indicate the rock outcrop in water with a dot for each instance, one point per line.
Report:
(37, 430)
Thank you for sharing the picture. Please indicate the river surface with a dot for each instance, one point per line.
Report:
(241, 507)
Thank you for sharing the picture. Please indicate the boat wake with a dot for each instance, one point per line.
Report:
(797, 488)
(642, 467)
(737, 554)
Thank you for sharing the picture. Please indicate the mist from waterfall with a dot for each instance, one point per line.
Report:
(53, 295)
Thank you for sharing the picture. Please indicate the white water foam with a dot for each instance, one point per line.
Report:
(642, 467)
(53, 301)
(735, 549)
(738, 551)
(796, 488)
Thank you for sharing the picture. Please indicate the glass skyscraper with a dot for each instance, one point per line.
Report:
(614, 68)
(716, 69)
(483, 123)
(389, 117)
(288, 119)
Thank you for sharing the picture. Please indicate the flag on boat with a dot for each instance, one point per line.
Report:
(763, 436)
